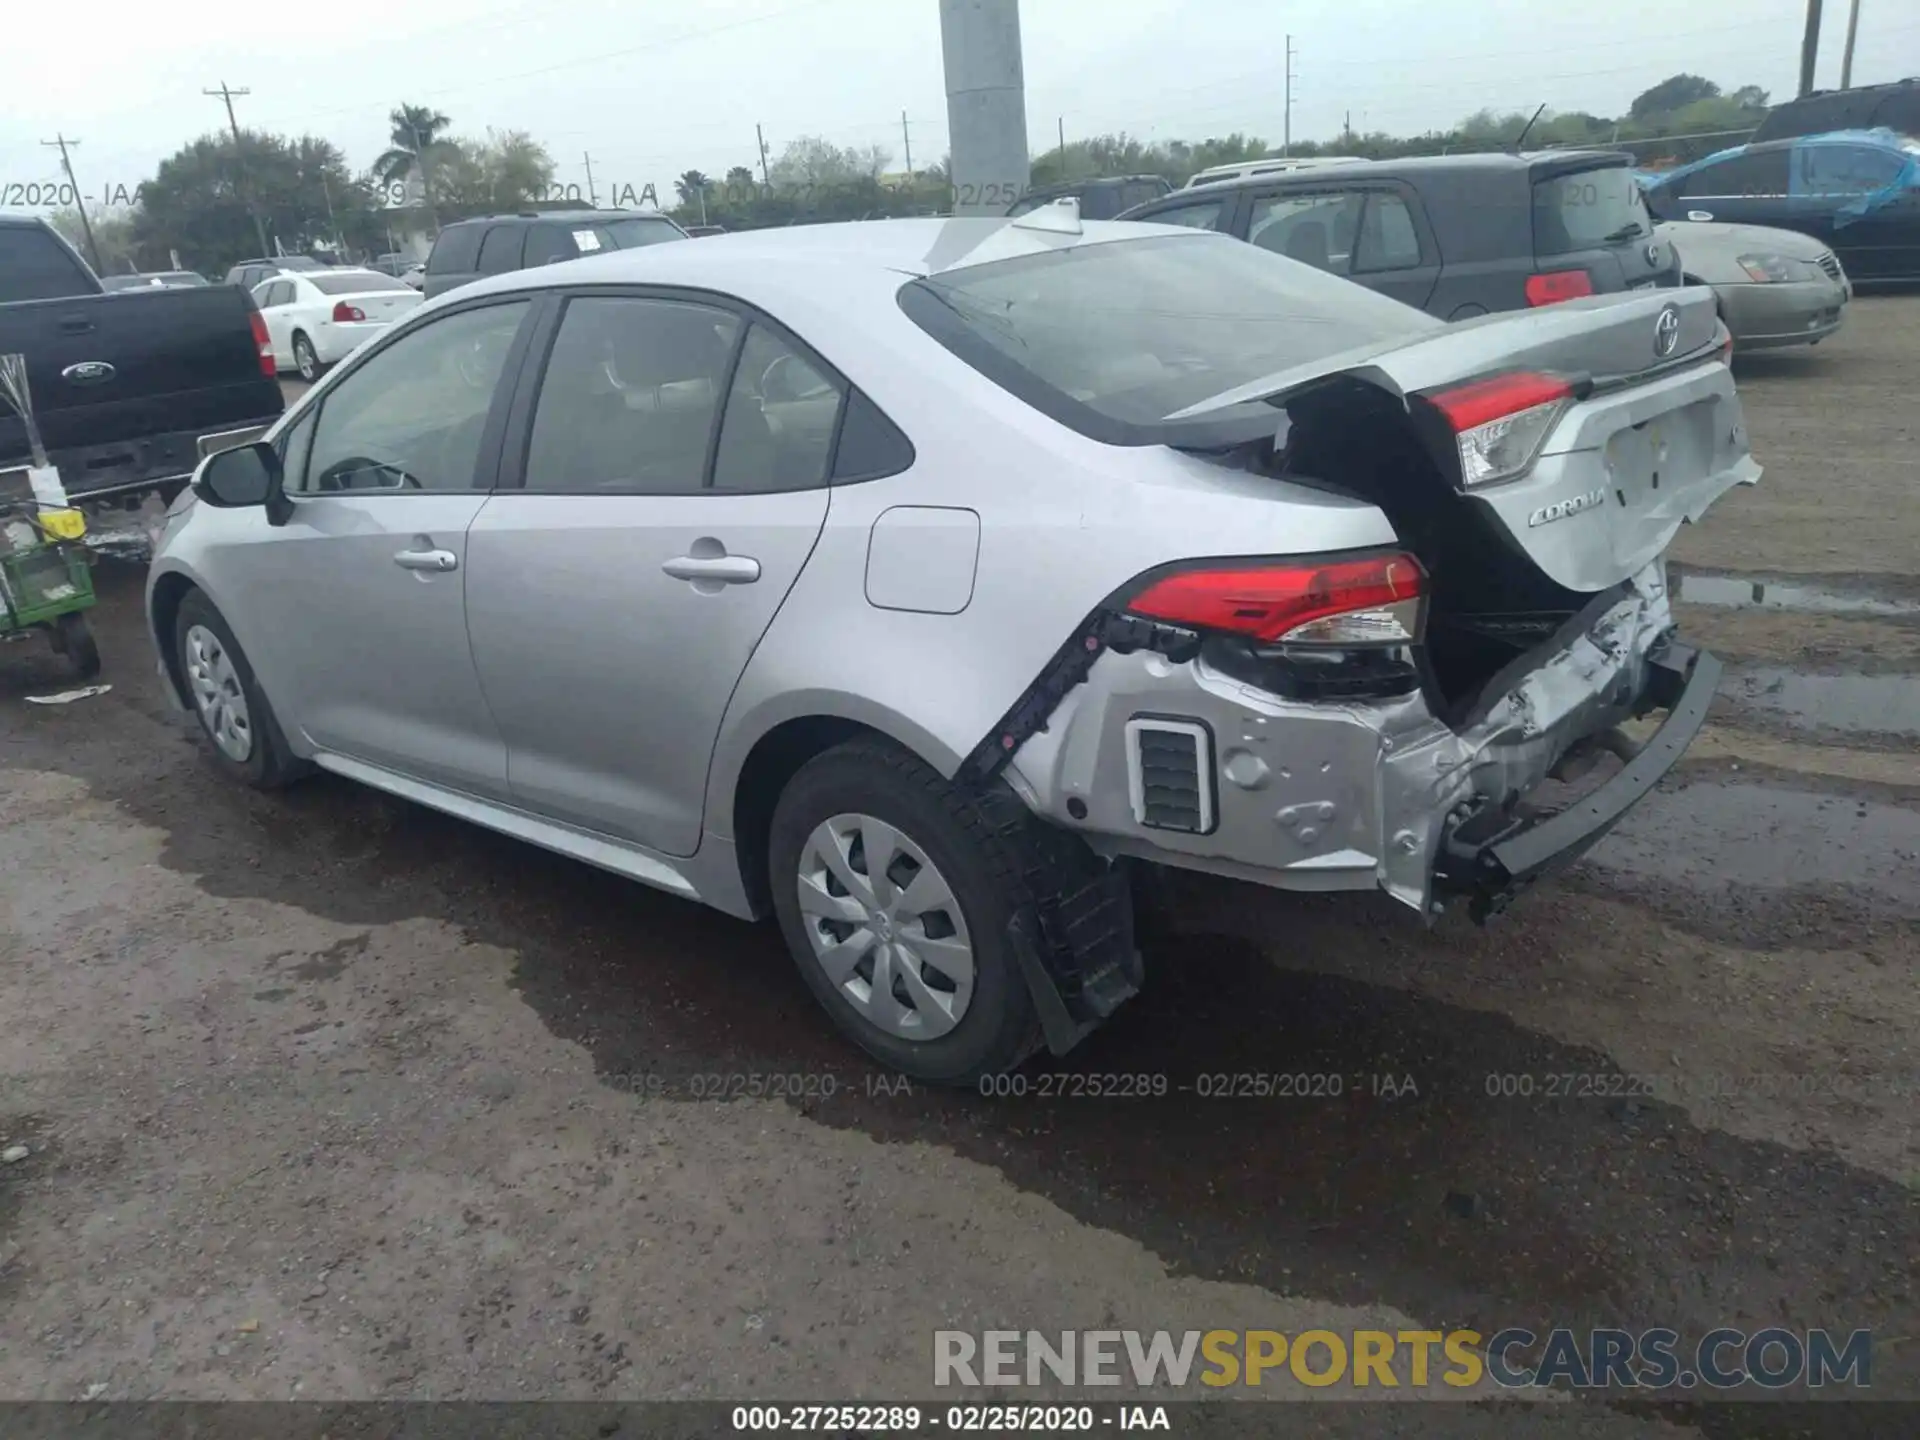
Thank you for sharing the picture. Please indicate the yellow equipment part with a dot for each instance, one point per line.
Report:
(63, 524)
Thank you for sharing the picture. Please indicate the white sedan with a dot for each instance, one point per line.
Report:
(317, 318)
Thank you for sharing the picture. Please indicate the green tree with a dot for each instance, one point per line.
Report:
(741, 178)
(1676, 92)
(113, 233)
(415, 128)
(692, 185)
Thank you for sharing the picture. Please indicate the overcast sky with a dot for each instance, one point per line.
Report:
(652, 89)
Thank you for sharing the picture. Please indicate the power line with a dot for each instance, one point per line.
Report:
(86, 227)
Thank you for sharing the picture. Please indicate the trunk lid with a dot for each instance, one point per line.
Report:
(383, 304)
(1653, 435)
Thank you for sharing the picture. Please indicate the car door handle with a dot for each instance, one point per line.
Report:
(722, 569)
(435, 560)
(1699, 215)
(76, 325)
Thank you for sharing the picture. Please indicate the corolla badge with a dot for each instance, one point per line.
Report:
(88, 372)
(1666, 333)
(1561, 509)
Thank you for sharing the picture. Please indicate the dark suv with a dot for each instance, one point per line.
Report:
(1455, 235)
(1893, 106)
(495, 244)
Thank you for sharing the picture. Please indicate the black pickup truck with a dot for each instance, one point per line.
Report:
(125, 386)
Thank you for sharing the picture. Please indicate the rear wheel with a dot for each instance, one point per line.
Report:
(895, 897)
(306, 359)
(234, 716)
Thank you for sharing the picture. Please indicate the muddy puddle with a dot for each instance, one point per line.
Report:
(1713, 835)
(1859, 704)
(1806, 596)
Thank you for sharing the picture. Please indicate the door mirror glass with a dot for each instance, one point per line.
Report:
(234, 479)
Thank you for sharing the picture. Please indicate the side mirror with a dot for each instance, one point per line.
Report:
(236, 479)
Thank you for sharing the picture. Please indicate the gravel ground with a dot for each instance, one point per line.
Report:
(327, 1096)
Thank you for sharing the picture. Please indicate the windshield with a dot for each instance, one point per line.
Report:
(1587, 210)
(1134, 330)
(632, 234)
(355, 282)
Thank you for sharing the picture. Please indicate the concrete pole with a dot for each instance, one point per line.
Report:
(986, 104)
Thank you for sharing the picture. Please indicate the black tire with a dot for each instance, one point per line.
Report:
(1000, 1028)
(306, 360)
(269, 765)
(73, 638)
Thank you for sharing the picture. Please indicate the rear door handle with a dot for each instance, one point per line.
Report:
(76, 325)
(435, 560)
(722, 569)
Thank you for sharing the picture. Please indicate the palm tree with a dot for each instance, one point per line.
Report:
(740, 178)
(416, 129)
(693, 184)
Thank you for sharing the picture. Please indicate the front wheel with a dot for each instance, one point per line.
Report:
(234, 716)
(73, 638)
(306, 359)
(895, 897)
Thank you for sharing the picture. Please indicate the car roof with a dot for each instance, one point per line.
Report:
(1412, 167)
(565, 216)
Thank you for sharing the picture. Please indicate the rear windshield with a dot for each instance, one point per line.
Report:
(355, 282)
(1587, 210)
(1127, 332)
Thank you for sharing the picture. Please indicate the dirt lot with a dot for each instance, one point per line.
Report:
(328, 1096)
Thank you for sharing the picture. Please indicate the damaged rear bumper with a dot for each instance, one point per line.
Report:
(1363, 794)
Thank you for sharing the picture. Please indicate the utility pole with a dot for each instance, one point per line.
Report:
(1286, 133)
(592, 198)
(223, 93)
(1061, 121)
(1809, 46)
(765, 178)
(906, 139)
(1846, 55)
(86, 227)
(339, 240)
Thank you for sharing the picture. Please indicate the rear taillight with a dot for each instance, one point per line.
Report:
(343, 312)
(1499, 424)
(1553, 286)
(263, 343)
(1369, 600)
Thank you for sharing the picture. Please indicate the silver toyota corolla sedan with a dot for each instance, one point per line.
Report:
(910, 582)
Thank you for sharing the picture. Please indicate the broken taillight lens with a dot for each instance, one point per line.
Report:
(1364, 600)
(1500, 423)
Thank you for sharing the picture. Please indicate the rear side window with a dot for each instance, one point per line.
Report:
(500, 251)
(35, 266)
(1587, 210)
(629, 399)
(781, 413)
(1761, 172)
(456, 249)
(1388, 240)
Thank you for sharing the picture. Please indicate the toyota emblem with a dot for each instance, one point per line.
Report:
(1666, 332)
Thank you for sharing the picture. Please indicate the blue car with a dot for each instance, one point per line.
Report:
(1856, 191)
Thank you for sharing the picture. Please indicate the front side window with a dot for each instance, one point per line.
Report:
(500, 251)
(1112, 336)
(630, 396)
(1849, 169)
(411, 417)
(547, 244)
(781, 411)
(1316, 229)
(456, 250)
(1194, 217)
